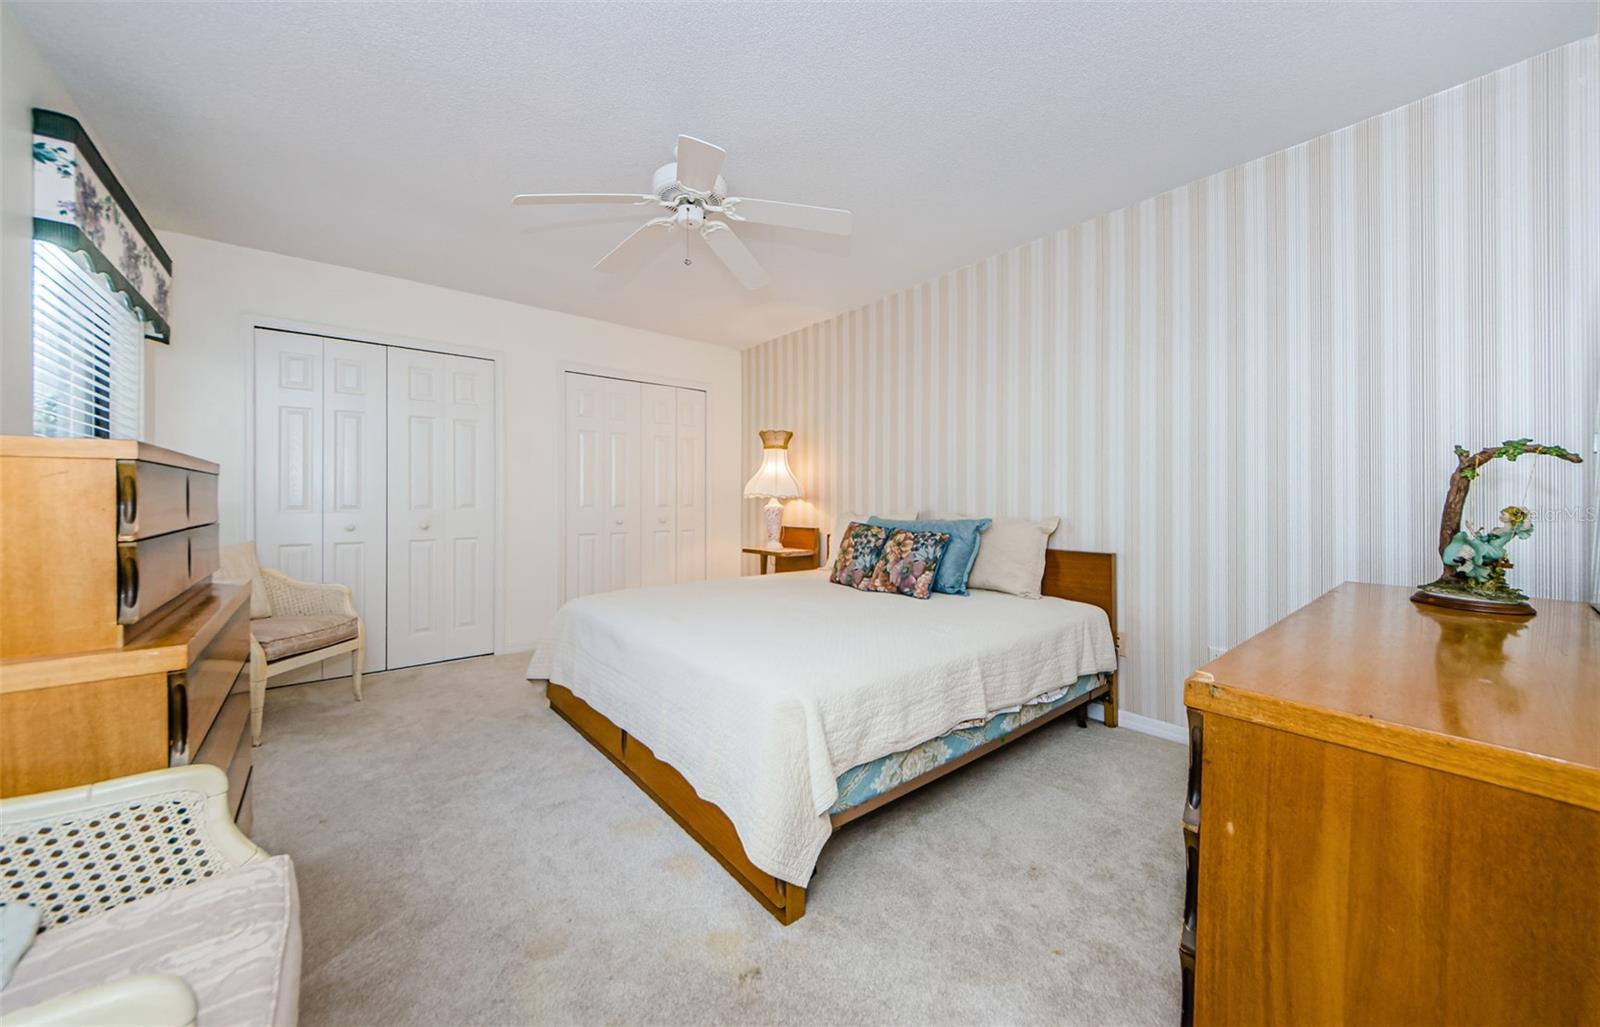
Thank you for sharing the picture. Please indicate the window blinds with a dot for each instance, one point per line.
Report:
(88, 352)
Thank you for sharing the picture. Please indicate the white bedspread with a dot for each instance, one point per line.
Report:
(762, 690)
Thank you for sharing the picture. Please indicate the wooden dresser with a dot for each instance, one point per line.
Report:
(117, 654)
(1393, 816)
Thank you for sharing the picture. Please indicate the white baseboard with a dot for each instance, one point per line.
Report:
(1143, 725)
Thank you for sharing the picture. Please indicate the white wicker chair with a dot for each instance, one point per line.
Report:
(293, 624)
(80, 852)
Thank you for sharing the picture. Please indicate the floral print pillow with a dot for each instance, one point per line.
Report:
(858, 554)
(908, 563)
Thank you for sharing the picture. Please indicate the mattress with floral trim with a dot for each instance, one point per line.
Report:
(869, 780)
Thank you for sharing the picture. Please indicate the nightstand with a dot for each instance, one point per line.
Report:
(774, 555)
(801, 551)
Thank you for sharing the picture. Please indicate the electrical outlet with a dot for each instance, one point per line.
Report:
(1214, 651)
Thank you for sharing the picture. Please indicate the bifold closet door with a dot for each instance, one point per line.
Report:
(288, 467)
(441, 507)
(635, 484)
(658, 480)
(319, 473)
(602, 516)
(690, 516)
(354, 522)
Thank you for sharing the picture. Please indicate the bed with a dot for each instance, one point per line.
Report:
(762, 713)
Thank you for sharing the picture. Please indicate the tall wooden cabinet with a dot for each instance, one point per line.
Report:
(1393, 816)
(117, 654)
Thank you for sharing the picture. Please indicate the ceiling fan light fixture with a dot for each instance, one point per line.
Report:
(692, 190)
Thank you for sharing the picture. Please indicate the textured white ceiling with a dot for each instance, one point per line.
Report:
(391, 137)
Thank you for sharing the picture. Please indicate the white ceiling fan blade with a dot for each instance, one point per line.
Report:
(698, 164)
(733, 253)
(788, 215)
(632, 251)
(530, 199)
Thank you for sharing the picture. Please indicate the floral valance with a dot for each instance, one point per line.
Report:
(81, 207)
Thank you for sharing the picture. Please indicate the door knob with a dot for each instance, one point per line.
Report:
(661, 519)
(424, 526)
(620, 522)
(349, 527)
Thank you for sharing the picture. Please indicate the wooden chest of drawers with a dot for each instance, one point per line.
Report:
(1393, 816)
(117, 655)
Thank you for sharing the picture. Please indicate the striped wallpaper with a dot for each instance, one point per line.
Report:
(1248, 387)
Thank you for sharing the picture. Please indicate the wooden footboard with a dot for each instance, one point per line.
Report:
(704, 822)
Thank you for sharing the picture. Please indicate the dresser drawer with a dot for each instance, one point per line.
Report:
(202, 498)
(227, 744)
(196, 695)
(154, 499)
(154, 571)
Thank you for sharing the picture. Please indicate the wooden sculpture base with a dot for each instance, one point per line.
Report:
(1471, 605)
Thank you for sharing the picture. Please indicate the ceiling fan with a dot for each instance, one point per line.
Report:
(693, 191)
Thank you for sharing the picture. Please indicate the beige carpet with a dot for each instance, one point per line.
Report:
(464, 857)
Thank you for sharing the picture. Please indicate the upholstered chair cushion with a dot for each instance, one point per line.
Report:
(282, 637)
(858, 554)
(239, 565)
(908, 563)
(234, 939)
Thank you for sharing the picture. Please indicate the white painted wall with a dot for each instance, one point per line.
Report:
(26, 82)
(200, 395)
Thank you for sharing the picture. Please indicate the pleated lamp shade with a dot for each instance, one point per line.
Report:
(773, 479)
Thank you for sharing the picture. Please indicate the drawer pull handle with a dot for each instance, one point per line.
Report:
(1191, 888)
(128, 581)
(178, 721)
(1191, 798)
(127, 496)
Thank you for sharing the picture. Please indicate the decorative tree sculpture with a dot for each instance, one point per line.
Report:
(1475, 562)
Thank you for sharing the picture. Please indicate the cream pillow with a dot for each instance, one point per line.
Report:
(1010, 555)
(239, 565)
(844, 522)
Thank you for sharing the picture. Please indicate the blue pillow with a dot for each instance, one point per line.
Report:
(953, 571)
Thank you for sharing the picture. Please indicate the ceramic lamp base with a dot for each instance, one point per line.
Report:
(773, 512)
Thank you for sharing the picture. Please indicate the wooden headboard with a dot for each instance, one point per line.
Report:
(1084, 578)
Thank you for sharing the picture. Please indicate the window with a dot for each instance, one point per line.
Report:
(88, 351)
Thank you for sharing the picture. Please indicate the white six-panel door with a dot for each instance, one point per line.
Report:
(288, 467)
(319, 473)
(635, 484)
(585, 518)
(658, 499)
(603, 549)
(441, 507)
(619, 488)
(354, 527)
(690, 516)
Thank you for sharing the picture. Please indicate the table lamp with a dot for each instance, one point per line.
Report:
(774, 482)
